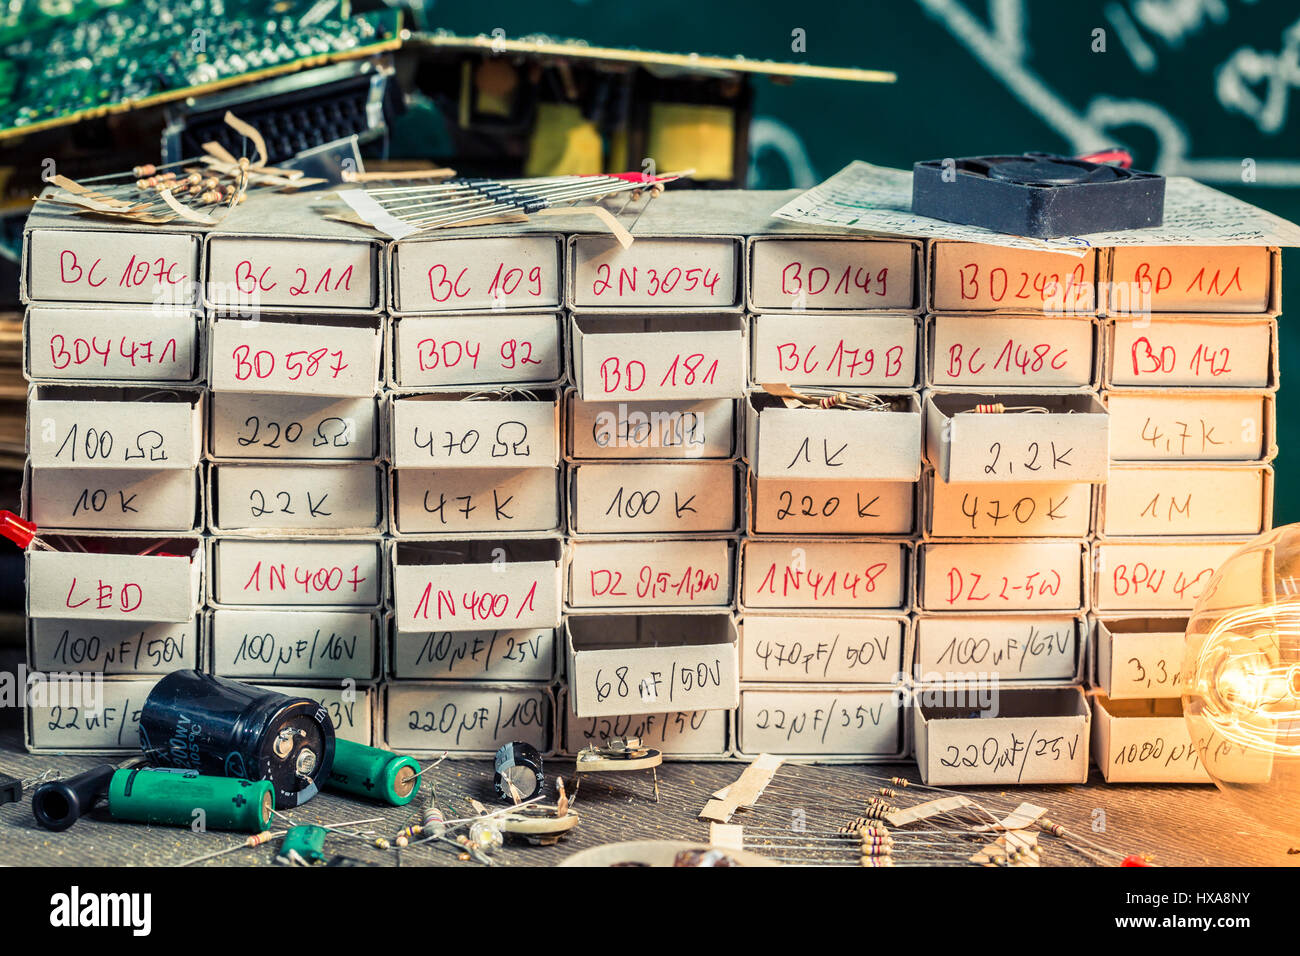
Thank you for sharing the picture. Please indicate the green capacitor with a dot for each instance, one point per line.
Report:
(374, 773)
(172, 796)
(302, 845)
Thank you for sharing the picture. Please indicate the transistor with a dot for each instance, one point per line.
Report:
(1038, 194)
(212, 725)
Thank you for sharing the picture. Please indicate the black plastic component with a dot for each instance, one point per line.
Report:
(222, 727)
(1037, 195)
(11, 789)
(58, 804)
(521, 765)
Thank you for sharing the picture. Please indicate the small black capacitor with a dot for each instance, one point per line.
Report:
(58, 804)
(521, 765)
(226, 728)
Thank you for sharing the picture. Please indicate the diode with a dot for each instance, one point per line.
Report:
(221, 727)
(154, 795)
(374, 773)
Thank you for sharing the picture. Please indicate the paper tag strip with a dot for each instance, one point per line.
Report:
(727, 836)
(1019, 818)
(745, 791)
(923, 811)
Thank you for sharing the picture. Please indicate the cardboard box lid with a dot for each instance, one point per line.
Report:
(269, 356)
(108, 427)
(839, 443)
(449, 430)
(120, 584)
(648, 357)
(1069, 442)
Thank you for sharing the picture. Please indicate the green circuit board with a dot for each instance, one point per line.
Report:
(64, 60)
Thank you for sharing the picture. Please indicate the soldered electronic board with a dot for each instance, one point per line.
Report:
(66, 60)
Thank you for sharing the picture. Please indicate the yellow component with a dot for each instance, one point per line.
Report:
(690, 136)
(495, 83)
(564, 143)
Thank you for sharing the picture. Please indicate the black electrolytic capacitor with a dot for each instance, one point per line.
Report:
(225, 728)
(58, 804)
(519, 765)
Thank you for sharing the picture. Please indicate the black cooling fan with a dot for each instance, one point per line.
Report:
(1037, 194)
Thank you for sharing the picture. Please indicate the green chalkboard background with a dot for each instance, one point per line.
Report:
(1192, 87)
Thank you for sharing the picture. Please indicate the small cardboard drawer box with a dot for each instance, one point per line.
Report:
(836, 351)
(696, 497)
(662, 272)
(509, 654)
(652, 663)
(453, 430)
(85, 713)
(821, 574)
(679, 734)
(978, 735)
(1196, 351)
(1185, 425)
(294, 645)
(111, 647)
(476, 501)
(115, 499)
(476, 272)
(1012, 509)
(823, 648)
(877, 444)
(1064, 440)
(849, 723)
(647, 357)
(475, 351)
(967, 648)
(317, 573)
(337, 358)
(1195, 279)
(296, 499)
(848, 274)
(978, 277)
(676, 573)
(352, 708)
(103, 264)
(103, 427)
(116, 579)
(828, 507)
(476, 585)
(85, 344)
(1139, 657)
(280, 254)
(1155, 574)
(1144, 741)
(1196, 499)
(666, 430)
(1004, 575)
(429, 718)
(300, 427)
(1012, 351)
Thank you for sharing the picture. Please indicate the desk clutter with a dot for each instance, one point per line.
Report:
(740, 487)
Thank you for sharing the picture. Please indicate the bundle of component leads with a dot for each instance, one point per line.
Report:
(185, 189)
(401, 211)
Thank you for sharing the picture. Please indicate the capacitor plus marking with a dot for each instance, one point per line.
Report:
(174, 797)
(226, 728)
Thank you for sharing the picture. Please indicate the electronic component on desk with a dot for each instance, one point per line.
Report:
(1038, 194)
(182, 797)
(517, 772)
(11, 789)
(216, 726)
(58, 804)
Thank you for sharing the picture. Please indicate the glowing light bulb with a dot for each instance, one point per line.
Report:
(1241, 678)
